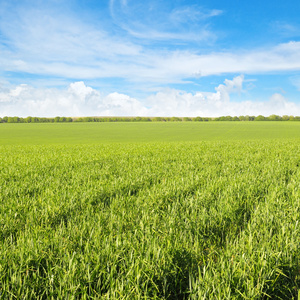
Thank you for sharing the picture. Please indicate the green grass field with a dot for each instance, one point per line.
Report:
(150, 210)
(94, 133)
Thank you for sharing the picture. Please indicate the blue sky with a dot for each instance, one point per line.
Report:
(166, 58)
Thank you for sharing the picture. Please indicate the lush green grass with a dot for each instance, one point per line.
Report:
(85, 133)
(212, 218)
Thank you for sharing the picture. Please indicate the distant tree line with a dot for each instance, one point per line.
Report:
(146, 119)
(34, 120)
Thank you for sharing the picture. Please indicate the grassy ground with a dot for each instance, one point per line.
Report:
(118, 211)
(85, 133)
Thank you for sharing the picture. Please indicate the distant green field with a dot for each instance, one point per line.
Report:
(150, 210)
(85, 133)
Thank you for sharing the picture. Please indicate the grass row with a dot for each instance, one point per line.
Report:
(189, 220)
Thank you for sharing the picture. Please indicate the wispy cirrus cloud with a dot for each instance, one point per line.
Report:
(51, 44)
(152, 21)
(192, 14)
(55, 43)
(295, 80)
(285, 29)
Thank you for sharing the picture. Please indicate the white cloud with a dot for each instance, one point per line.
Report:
(81, 100)
(153, 21)
(54, 42)
(77, 100)
(59, 44)
(80, 90)
(295, 80)
(192, 13)
(283, 57)
(116, 104)
(285, 29)
(179, 103)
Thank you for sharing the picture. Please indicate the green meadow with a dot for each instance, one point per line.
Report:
(187, 210)
(118, 132)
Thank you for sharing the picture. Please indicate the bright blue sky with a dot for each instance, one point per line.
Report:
(156, 57)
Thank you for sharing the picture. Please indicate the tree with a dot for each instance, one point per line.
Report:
(249, 118)
(260, 118)
(274, 118)
(42, 120)
(198, 119)
(35, 120)
(157, 119)
(175, 119)
(186, 119)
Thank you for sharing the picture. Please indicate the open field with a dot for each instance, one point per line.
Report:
(150, 210)
(95, 133)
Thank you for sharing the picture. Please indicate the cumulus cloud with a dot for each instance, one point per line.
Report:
(77, 100)
(81, 100)
(180, 103)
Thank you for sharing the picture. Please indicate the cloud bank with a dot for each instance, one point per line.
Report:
(78, 99)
